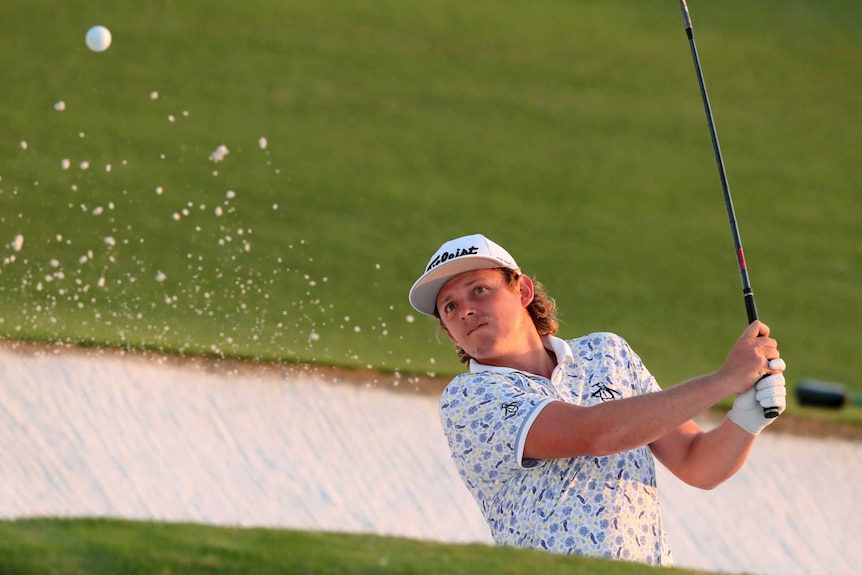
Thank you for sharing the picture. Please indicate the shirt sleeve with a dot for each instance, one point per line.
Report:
(486, 418)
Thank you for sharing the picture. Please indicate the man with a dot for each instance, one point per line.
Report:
(555, 439)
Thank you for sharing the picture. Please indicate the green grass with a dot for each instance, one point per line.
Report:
(84, 546)
(571, 132)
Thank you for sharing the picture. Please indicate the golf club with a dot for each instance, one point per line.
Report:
(747, 293)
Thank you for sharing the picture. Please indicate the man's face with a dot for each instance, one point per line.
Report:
(484, 315)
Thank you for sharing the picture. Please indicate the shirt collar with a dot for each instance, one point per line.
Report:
(559, 347)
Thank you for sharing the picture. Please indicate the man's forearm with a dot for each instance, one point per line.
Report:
(704, 459)
(565, 430)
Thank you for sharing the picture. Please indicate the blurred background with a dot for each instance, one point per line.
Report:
(266, 179)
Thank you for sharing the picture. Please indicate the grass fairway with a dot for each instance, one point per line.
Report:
(570, 132)
(72, 547)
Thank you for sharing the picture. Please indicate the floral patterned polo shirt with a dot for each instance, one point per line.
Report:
(604, 506)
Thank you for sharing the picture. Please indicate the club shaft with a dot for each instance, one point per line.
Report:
(747, 293)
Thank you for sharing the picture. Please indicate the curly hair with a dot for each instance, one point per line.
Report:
(542, 310)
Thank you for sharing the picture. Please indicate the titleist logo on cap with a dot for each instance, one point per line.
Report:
(446, 256)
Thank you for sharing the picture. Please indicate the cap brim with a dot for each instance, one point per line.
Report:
(423, 294)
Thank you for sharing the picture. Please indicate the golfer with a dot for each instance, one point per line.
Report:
(555, 439)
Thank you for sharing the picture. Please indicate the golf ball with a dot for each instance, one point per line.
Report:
(98, 38)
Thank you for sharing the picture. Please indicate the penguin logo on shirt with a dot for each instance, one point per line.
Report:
(602, 391)
(510, 410)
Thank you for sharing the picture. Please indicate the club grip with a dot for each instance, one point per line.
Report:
(751, 310)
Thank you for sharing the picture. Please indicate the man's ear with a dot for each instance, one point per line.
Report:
(525, 287)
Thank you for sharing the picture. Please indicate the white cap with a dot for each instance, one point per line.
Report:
(464, 254)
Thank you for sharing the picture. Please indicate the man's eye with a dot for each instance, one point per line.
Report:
(449, 307)
(481, 289)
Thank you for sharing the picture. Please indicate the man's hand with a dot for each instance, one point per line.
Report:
(770, 391)
(748, 359)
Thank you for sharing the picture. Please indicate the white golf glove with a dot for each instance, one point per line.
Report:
(748, 406)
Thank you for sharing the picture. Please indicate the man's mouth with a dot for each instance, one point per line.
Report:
(477, 326)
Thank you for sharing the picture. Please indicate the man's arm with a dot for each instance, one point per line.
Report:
(704, 459)
(567, 430)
